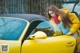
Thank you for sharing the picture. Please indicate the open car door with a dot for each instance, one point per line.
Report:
(51, 44)
(12, 31)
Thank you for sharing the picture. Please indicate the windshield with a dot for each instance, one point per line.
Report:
(70, 7)
(11, 28)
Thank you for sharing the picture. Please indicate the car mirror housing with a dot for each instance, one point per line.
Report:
(39, 35)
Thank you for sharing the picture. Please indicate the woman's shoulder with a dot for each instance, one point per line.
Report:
(72, 15)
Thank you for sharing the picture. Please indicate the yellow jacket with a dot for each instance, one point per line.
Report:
(74, 19)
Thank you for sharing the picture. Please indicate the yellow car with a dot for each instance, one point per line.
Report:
(32, 35)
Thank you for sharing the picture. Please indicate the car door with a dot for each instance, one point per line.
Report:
(12, 31)
(51, 44)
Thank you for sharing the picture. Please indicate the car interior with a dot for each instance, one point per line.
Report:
(32, 26)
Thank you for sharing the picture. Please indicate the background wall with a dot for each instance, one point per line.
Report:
(36, 6)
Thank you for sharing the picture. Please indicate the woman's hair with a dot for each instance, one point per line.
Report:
(66, 21)
(65, 17)
(52, 8)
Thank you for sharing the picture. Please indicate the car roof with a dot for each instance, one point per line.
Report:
(28, 17)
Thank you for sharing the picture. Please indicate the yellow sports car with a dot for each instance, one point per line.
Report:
(32, 34)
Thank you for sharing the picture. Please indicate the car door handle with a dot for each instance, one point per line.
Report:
(70, 44)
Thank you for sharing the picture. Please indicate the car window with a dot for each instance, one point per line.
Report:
(69, 6)
(77, 9)
(45, 27)
(11, 28)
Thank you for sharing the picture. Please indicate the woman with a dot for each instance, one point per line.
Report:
(68, 23)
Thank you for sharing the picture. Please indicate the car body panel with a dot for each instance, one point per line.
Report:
(7, 46)
(59, 44)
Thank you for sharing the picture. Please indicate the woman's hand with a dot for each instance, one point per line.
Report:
(69, 33)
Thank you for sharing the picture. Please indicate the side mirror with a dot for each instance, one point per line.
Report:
(39, 35)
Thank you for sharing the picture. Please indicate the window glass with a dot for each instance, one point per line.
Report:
(45, 24)
(77, 9)
(45, 27)
(11, 29)
(69, 6)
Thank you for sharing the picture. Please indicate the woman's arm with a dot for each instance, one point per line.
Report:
(75, 23)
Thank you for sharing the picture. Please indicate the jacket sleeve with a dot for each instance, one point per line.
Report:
(75, 23)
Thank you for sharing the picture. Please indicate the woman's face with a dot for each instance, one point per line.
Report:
(52, 13)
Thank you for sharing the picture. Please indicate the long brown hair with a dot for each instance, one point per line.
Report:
(66, 21)
(52, 8)
(65, 17)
